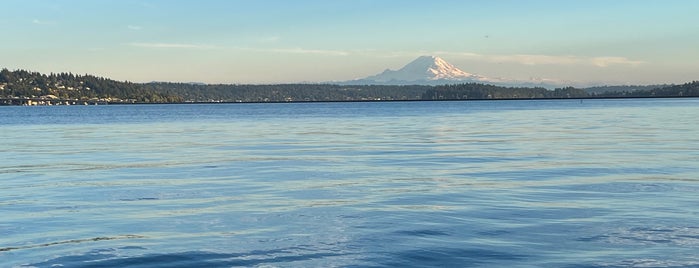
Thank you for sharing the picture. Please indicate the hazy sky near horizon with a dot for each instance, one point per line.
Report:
(277, 41)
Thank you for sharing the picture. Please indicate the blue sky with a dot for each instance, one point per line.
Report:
(277, 41)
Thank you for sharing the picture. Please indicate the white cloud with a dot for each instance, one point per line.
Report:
(538, 59)
(42, 22)
(524, 59)
(311, 51)
(134, 27)
(535, 59)
(172, 45)
(300, 51)
(269, 39)
(606, 61)
(268, 50)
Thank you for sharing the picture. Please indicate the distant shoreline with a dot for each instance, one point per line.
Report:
(22, 87)
(102, 103)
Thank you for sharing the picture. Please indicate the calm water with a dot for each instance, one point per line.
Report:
(599, 183)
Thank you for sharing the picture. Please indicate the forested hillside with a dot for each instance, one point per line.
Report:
(25, 84)
(21, 84)
(287, 92)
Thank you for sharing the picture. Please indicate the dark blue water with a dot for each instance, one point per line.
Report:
(560, 183)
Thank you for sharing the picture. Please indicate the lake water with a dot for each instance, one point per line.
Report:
(542, 183)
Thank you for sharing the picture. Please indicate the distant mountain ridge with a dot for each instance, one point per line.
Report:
(433, 70)
(425, 70)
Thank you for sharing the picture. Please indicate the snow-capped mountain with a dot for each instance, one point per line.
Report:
(432, 70)
(423, 70)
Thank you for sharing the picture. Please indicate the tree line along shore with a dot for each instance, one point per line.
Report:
(21, 87)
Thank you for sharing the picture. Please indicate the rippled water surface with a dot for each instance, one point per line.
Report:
(561, 183)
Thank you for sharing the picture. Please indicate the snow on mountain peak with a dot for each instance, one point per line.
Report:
(433, 70)
(426, 68)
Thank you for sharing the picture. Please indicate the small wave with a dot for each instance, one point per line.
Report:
(72, 241)
(422, 233)
(648, 263)
(187, 259)
(139, 199)
(684, 236)
(450, 257)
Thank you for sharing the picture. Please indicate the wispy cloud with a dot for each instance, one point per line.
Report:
(256, 49)
(300, 51)
(135, 27)
(311, 51)
(527, 59)
(606, 61)
(539, 59)
(524, 59)
(269, 39)
(171, 45)
(147, 5)
(43, 22)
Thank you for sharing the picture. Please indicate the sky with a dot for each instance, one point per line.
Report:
(579, 42)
